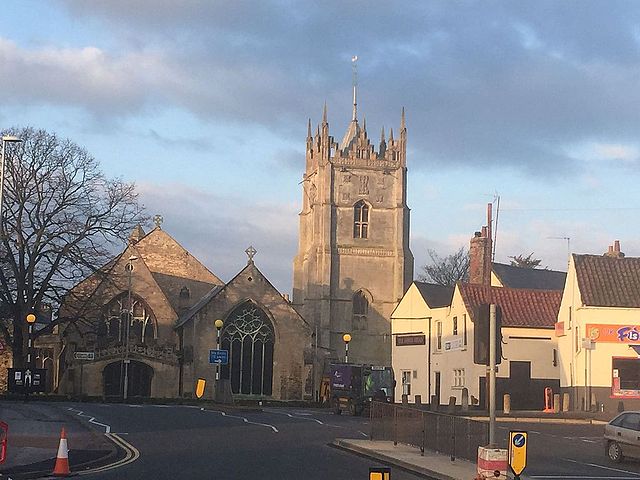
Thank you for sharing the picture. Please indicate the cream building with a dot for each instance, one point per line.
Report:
(353, 263)
(599, 331)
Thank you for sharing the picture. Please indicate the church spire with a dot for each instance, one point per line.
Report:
(391, 136)
(403, 125)
(382, 136)
(354, 64)
(309, 129)
(324, 113)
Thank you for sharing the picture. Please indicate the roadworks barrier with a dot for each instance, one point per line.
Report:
(492, 461)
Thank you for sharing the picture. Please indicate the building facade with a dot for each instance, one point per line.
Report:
(353, 263)
(148, 317)
(598, 332)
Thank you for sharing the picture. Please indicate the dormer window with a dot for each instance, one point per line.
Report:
(185, 293)
(361, 220)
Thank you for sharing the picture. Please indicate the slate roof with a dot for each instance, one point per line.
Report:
(608, 281)
(436, 296)
(531, 278)
(520, 307)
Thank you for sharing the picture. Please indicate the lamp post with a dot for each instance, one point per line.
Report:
(5, 139)
(219, 324)
(126, 361)
(31, 319)
(346, 338)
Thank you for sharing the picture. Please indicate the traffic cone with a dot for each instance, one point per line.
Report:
(62, 459)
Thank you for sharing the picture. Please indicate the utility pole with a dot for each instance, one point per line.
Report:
(492, 375)
(126, 361)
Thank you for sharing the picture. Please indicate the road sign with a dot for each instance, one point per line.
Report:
(200, 384)
(84, 355)
(27, 380)
(517, 452)
(219, 357)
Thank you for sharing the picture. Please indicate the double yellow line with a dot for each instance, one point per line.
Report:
(131, 455)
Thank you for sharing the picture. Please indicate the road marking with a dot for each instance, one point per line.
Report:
(560, 477)
(131, 455)
(296, 416)
(244, 419)
(80, 413)
(589, 441)
(364, 434)
(603, 467)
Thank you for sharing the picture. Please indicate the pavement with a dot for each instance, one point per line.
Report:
(34, 435)
(431, 464)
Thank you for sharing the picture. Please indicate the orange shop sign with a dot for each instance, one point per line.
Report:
(599, 332)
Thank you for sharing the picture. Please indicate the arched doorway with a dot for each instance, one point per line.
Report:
(140, 375)
(249, 337)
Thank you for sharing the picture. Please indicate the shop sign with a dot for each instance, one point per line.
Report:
(456, 344)
(604, 333)
(403, 340)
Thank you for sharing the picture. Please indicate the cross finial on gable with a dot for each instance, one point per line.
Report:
(250, 253)
(157, 219)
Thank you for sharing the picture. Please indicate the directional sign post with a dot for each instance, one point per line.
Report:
(219, 357)
(84, 355)
(517, 452)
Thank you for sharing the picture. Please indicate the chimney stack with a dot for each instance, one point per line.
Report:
(480, 249)
(614, 250)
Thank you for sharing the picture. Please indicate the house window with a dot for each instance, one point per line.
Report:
(439, 335)
(455, 325)
(361, 220)
(464, 329)
(406, 382)
(360, 310)
(458, 378)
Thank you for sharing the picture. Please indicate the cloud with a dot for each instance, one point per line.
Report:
(503, 84)
(218, 236)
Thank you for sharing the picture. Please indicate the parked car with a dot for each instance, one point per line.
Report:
(622, 437)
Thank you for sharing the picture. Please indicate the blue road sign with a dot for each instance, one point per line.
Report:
(518, 440)
(219, 357)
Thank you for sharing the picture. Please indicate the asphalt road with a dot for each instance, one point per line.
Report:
(190, 443)
(568, 451)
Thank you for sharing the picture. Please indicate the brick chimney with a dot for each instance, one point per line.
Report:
(614, 250)
(480, 250)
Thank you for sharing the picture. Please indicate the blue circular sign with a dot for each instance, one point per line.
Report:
(519, 440)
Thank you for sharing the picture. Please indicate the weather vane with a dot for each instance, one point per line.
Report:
(157, 219)
(250, 253)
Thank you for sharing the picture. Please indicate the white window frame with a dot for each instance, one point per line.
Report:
(406, 381)
(458, 378)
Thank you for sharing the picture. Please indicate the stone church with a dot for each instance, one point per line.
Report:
(353, 263)
(165, 302)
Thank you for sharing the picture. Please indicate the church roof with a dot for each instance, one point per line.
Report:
(534, 278)
(350, 135)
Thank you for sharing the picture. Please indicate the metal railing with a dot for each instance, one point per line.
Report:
(448, 434)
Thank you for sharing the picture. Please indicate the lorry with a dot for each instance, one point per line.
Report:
(355, 386)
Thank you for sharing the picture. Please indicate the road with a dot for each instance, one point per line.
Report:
(190, 443)
(568, 451)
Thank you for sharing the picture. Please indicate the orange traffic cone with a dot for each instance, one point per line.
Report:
(62, 459)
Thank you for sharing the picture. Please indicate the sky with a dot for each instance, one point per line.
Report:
(204, 105)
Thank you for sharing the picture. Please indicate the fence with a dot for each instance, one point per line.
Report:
(447, 434)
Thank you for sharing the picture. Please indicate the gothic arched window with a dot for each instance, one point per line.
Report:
(360, 310)
(361, 220)
(142, 328)
(249, 337)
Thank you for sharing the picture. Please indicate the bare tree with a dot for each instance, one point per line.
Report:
(525, 262)
(61, 221)
(447, 270)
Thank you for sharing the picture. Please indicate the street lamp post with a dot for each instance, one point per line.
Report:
(126, 361)
(5, 139)
(346, 338)
(31, 319)
(219, 324)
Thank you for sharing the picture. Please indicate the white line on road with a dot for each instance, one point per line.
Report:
(603, 467)
(80, 413)
(244, 419)
(363, 434)
(560, 477)
(296, 416)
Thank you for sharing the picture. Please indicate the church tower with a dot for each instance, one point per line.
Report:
(353, 263)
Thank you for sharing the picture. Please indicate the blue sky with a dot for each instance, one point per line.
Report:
(204, 105)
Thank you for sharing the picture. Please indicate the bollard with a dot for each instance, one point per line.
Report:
(465, 399)
(379, 473)
(433, 406)
(405, 399)
(506, 404)
(452, 405)
(594, 403)
(620, 406)
(565, 402)
(556, 403)
(418, 400)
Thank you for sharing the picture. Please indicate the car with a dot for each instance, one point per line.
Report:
(622, 437)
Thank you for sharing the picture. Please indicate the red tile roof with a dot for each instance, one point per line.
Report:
(520, 307)
(608, 281)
